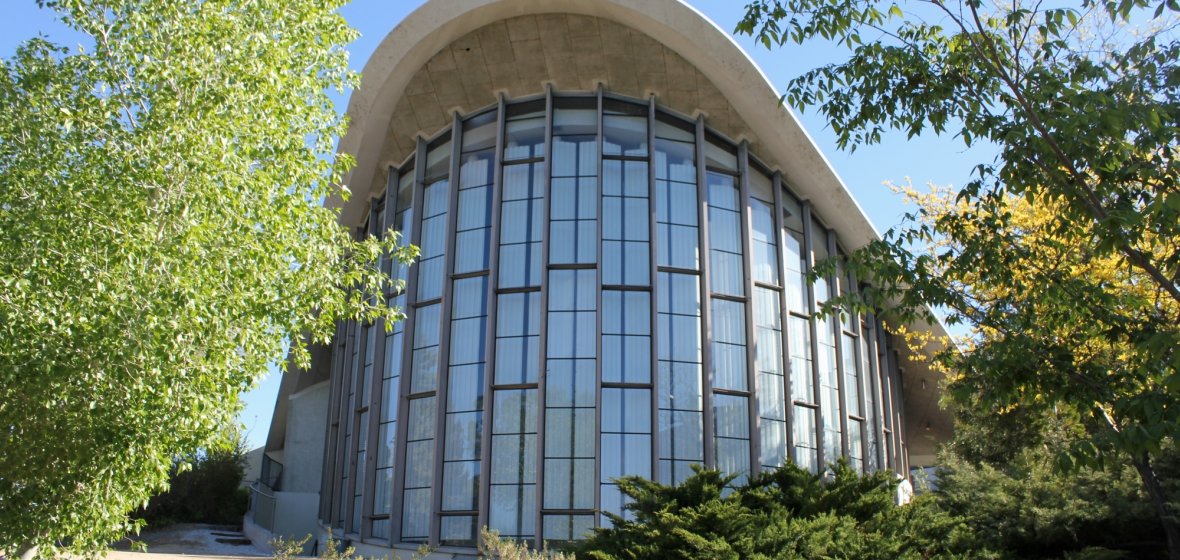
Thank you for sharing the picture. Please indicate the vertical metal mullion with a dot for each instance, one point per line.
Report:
(836, 286)
(493, 244)
(598, 322)
(817, 387)
(784, 314)
(444, 348)
(543, 341)
(414, 235)
(653, 282)
(707, 431)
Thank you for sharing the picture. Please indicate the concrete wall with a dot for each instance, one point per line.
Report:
(303, 454)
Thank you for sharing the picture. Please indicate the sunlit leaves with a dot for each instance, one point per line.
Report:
(162, 243)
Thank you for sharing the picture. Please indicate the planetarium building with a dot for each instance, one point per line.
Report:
(616, 221)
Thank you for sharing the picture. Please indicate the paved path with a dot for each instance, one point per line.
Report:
(191, 542)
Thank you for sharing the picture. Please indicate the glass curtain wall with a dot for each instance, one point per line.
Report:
(680, 355)
(604, 289)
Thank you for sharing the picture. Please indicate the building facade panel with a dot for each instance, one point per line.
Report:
(549, 349)
(618, 228)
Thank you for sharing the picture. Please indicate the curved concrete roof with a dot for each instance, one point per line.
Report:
(429, 41)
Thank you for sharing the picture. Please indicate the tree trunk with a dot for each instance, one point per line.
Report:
(1156, 492)
(28, 554)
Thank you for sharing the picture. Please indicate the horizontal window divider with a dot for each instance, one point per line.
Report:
(427, 303)
(760, 284)
(539, 159)
(568, 512)
(676, 270)
(466, 275)
(732, 392)
(625, 385)
(421, 395)
(573, 266)
(806, 404)
(857, 418)
(608, 157)
(459, 513)
(625, 288)
(518, 290)
(378, 517)
(513, 386)
(728, 297)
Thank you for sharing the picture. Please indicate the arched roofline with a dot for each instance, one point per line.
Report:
(782, 141)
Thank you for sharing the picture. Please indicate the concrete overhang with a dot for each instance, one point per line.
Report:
(775, 134)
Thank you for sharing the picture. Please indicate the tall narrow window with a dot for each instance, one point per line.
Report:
(768, 346)
(626, 442)
(680, 401)
(829, 375)
(625, 224)
(464, 412)
(570, 387)
(872, 401)
(803, 397)
(731, 419)
(573, 210)
(725, 235)
(521, 212)
(419, 475)
(676, 198)
(433, 240)
(398, 214)
(474, 219)
(513, 480)
(626, 394)
(853, 388)
(772, 402)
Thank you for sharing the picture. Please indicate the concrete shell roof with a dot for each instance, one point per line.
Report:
(425, 51)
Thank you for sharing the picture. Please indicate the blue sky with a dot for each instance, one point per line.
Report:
(928, 158)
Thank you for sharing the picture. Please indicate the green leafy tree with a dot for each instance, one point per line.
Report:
(1063, 255)
(786, 513)
(1003, 479)
(162, 241)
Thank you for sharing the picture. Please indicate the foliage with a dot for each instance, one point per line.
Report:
(492, 546)
(1087, 129)
(283, 548)
(1063, 256)
(162, 241)
(204, 487)
(787, 513)
(1020, 503)
(335, 550)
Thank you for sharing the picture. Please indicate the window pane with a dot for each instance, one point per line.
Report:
(525, 138)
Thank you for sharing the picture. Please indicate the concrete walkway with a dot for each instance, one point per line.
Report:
(190, 542)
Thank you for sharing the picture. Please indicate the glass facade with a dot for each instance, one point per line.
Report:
(604, 289)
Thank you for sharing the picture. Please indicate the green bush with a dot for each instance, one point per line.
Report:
(787, 513)
(204, 488)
